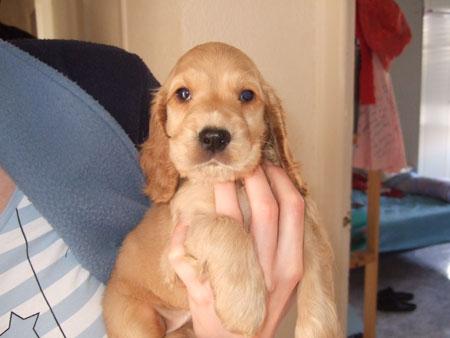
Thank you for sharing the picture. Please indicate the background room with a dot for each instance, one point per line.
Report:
(303, 48)
(414, 211)
(308, 50)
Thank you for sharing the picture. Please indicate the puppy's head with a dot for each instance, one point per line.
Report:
(214, 119)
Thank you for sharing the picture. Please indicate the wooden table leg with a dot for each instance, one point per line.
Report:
(371, 269)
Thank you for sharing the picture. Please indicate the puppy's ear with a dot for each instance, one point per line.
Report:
(162, 177)
(276, 142)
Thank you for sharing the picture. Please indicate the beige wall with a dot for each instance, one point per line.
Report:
(96, 21)
(18, 13)
(305, 50)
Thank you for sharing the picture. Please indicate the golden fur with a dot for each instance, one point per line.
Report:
(180, 177)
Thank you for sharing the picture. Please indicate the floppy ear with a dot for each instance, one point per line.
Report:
(162, 177)
(277, 142)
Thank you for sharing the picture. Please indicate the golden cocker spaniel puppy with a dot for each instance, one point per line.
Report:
(214, 119)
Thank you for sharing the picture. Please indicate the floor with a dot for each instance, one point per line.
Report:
(426, 273)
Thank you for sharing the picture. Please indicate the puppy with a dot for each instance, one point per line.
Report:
(214, 119)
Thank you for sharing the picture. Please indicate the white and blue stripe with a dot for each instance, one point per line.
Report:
(39, 275)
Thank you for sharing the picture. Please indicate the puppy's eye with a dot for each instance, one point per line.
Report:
(246, 95)
(183, 94)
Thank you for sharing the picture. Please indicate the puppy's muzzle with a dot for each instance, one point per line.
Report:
(214, 139)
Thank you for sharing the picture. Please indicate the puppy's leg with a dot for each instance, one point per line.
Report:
(316, 308)
(128, 317)
(225, 251)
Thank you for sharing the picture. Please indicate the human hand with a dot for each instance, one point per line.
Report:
(205, 321)
(277, 228)
(7, 187)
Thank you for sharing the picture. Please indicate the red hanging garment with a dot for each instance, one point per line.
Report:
(379, 141)
(383, 33)
(381, 28)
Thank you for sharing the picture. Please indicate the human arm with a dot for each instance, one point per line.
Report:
(7, 187)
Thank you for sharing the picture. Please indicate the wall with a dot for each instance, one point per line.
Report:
(305, 50)
(406, 73)
(438, 5)
(18, 13)
(95, 21)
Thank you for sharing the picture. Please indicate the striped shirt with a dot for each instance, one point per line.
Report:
(44, 291)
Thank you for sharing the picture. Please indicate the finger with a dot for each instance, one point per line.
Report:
(176, 246)
(180, 262)
(264, 225)
(199, 291)
(226, 200)
(291, 216)
(204, 316)
(201, 296)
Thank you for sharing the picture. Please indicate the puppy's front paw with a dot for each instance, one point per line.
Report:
(234, 272)
(240, 292)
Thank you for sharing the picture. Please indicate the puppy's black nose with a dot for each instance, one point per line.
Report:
(214, 139)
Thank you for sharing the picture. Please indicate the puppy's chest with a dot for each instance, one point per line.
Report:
(196, 199)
